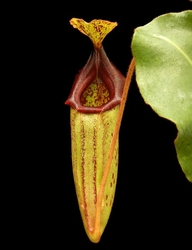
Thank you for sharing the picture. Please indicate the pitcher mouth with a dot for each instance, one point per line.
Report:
(98, 87)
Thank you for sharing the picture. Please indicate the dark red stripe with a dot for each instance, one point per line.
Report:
(94, 164)
(82, 168)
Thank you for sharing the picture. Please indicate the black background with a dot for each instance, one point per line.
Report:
(152, 202)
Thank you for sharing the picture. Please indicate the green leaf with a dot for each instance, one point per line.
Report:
(163, 54)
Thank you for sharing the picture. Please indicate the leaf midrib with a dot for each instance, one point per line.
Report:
(176, 46)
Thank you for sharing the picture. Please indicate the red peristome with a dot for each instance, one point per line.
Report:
(98, 65)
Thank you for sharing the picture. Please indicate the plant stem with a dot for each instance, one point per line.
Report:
(113, 142)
